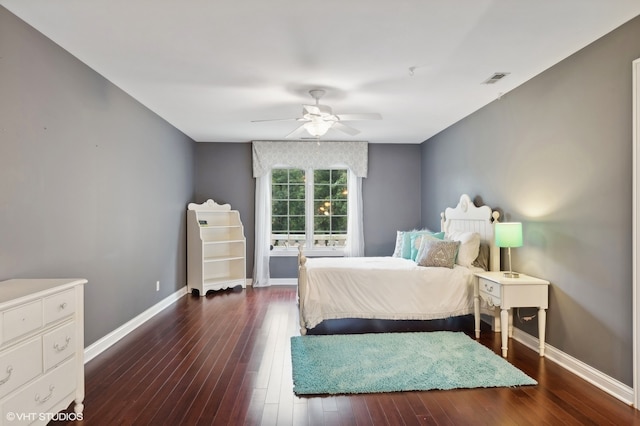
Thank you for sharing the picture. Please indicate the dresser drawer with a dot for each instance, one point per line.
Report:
(58, 345)
(20, 364)
(59, 305)
(21, 320)
(42, 395)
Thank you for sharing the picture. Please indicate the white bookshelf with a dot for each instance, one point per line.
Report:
(216, 248)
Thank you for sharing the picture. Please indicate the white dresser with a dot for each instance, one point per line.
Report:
(41, 349)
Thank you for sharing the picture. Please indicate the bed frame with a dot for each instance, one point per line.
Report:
(464, 217)
(469, 218)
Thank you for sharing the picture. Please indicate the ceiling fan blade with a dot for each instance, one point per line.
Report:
(310, 109)
(297, 131)
(363, 116)
(344, 128)
(275, 119)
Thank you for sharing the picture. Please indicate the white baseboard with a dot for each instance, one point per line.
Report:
(283, 281)
(110, 339)
(606, 383)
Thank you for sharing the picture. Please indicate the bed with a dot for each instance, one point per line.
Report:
(399, 288)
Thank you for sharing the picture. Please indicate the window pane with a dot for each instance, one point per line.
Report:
(296, 224)
(279, 224)
(279, 175)
(339, 176)
(280, 192)
(321, 176)
(339, 208)
(296, 192)
(322, 225)
(321, 207)
(339, 191)
(279, 208)
(296, 208)
(339, 224)
(296, 176)
(321, 192)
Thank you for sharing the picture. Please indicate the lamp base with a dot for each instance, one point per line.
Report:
(511, 275)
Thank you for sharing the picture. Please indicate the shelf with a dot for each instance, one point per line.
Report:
(223, 242)
(214, 281)
(216, 247)
(222, 258)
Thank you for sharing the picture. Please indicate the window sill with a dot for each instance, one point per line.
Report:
(308, 253)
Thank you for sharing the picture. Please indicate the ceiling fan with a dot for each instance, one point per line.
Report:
(317, 119)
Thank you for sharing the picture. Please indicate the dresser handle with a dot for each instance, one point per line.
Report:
(59, 348)
(63, 306)
(46, 398)
(6, 379)
(488, 288)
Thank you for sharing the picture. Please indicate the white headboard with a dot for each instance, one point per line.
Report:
(467, 217)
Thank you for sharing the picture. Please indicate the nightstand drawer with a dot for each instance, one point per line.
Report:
(490, 287)
(490, 299)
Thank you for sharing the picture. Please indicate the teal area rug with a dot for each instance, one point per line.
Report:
(392, 362)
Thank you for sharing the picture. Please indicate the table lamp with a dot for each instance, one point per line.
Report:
(509, 234)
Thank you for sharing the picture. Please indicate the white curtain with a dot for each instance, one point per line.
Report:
(263, 230)
(354, 245)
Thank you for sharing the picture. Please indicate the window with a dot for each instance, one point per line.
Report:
(309, 207)
(287, 207)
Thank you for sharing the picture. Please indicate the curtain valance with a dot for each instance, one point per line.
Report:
(270, 154)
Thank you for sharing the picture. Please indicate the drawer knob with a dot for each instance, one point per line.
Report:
(46, 398)
(8, 376)
(63, 306)
(59, 348)
(488, 287)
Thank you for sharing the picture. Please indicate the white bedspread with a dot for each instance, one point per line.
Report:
(382, 288)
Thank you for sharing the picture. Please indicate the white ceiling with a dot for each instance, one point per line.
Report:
(210, 67)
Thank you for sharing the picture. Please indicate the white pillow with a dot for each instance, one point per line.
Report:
(469, 246)
(397, 252)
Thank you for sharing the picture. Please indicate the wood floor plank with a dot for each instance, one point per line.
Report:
(225, 359)
(360, 410)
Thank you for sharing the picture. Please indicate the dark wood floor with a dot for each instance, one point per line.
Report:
(225, 359)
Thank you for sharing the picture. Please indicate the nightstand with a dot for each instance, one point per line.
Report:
(506, 293)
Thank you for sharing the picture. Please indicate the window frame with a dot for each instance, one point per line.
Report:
(309, 198)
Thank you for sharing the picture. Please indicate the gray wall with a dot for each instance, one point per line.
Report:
(92, 184)
(555, 153)
(391, 194)
(224, 173)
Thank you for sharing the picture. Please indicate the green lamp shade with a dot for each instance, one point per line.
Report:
(508, 234)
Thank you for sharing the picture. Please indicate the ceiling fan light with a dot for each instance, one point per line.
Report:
(317, 127)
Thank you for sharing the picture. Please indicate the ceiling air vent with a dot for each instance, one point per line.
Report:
(497, 76)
